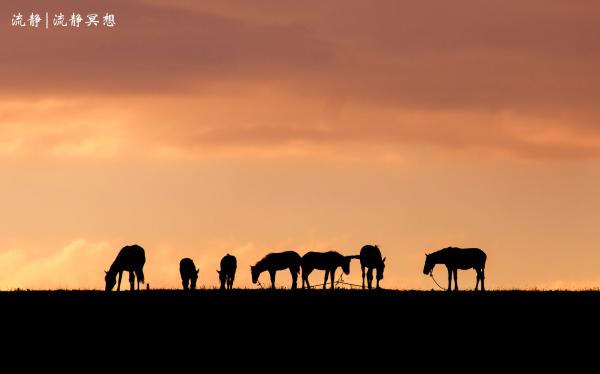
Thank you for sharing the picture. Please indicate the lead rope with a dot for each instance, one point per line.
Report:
(441, 288)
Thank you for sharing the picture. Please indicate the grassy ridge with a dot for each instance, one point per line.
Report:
(301, 305)
(288, 323)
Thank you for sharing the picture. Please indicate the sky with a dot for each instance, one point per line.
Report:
(200, 128)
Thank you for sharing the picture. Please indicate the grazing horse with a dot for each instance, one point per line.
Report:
(189, 273)
(277, 261)
(458, 258)
(131, 258)
(227, 272)
(328, 261)
(370, 258)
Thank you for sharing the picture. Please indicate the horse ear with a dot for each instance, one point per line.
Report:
(105, 272)
(197, 271)
(219, 272)
(384, 259)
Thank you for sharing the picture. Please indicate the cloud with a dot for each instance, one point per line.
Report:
(273, 124)
(73, 266)
(61, 128)
(80, 263)
(152, 50)
(189, 78)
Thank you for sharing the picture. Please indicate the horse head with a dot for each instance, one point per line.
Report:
(346, 264)
(429, 264)
(111, 279)
(222, 278)
(380, 269)
(255, 273)
(194, 279)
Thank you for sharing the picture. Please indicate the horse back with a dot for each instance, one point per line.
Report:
(465, 257)
(228, 264)
(370, 256)
(476, 254)
(131, 257)
(283, 260)
(187, 268)
(321, 260)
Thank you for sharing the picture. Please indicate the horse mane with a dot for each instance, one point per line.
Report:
(262, 260)
(114, 267)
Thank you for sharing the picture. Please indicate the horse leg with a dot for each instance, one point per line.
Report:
(184, 283)
(370, 278)
(119, 283)
(455, 271)
(363, 276)
(482, 278)
(294, 272)
(132, 280)
(305, 277)
(332, 278)
(272, 275)
(325, 281)
(478, 276)
(449, 279)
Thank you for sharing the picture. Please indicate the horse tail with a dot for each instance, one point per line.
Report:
(299, 263)
(140, 275)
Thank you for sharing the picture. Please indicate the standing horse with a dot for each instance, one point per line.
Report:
(189, 273)
(458, 258)
(370, 258)
(328, 261)
(227, 272)
(131, 258)
(277, 261)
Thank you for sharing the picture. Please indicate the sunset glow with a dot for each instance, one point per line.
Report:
(200, 128)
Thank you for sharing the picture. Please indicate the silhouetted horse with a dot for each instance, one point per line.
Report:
(328, 261)
(189, 273)
(277, 261)
(458, 258)
(370, 258)
(131, 258)
(227, 272)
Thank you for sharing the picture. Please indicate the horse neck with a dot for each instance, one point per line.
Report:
(116, 266)
(341, 259)
(261, 266)
(113, 271)
(437, 258)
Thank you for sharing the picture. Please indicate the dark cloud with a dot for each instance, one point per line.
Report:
(337, 71)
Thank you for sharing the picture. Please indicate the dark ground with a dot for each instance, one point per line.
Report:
(359, 325)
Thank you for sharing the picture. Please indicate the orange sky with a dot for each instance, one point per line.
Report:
(197, 128)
